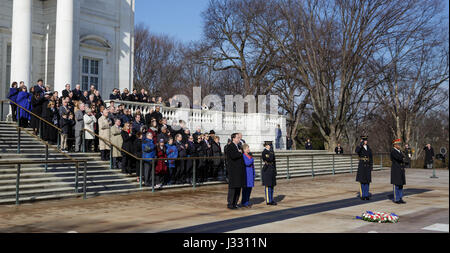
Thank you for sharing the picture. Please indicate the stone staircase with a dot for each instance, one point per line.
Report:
(59, 180)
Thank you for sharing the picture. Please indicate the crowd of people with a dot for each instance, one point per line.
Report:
(111, 127)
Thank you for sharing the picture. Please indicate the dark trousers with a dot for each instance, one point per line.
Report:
(14, 112)
(126, 164)
(398, 192)
(148, 173)
(88, 145)
(246, 191)
(268, 193)
(364, 190)
(233, 196)
(116, 163)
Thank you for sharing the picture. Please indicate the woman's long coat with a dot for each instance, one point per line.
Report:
(116, 139)
(36, 108)
(24, 99)
(104, 131)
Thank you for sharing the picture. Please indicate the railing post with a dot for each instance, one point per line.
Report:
(18, 140)
(111, 157)
(193, 173)
(153, 175)
(46, 157)
(312, 165)
(76, 176)
(1, 117)
(140, 174)
(17, 184)
(351, 163)
(381, 161)
(84, 184)
(287, 165)
(40, 129)
(333, 164)
(58, 141)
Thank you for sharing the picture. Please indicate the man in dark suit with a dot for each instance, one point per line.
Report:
(338, 150)
(39, 88)
(77, 93)
(398, 171)
(65, 93)
(429, 156)
(236, 171)
(308, 145)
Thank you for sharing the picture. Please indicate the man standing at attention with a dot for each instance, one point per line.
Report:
(398, 172)
(236, 171)
(365, 165)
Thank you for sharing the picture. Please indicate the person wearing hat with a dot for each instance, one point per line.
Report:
(269, 173)
(365, 166)
(398, 171)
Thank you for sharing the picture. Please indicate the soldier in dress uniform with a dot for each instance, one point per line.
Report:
(269, 172)
(365, 166)
(398, 171)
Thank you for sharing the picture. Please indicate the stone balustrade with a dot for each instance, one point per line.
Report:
(255, 127)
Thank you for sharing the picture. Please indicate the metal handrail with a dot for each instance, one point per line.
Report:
(37, 116)
(21, 162)
(45, 143)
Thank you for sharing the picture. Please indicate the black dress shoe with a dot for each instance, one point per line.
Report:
(367, 198)
(272, 203)
(231, 207)
(401, 201)
(397, 202)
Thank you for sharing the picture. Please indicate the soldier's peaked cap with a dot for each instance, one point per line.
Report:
(397, 141)
(267, 143)
(364, 137)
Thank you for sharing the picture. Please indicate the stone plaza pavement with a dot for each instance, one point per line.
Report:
(305, 205)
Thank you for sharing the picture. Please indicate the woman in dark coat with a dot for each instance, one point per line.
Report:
(216, 151)
(365, 166)
(200, 163)
(24, 100)
(127, 145)
(398, 178)
(51, 115)
(137, 145)
(269, 173)
(36, 107)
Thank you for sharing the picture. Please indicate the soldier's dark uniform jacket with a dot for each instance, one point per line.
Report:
(398, 168)
(269, 171)
(365, 165)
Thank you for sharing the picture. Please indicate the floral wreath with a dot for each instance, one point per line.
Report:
(380, 217)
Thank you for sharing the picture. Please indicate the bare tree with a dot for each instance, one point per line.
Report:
(413, 70)
(232, 37)
(157, 65)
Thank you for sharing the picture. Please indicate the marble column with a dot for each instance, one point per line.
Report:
(65, 43)
(21, 42)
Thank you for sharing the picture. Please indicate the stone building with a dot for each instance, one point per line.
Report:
(89, 42)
